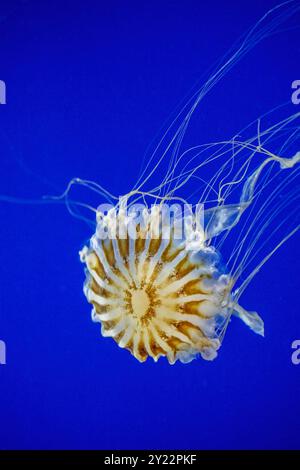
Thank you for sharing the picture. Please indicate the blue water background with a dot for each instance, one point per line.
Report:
(89, 84)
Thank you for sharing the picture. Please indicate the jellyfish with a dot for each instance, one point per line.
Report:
(159, 285)
(160, 288)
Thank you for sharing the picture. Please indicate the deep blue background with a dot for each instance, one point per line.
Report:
(88, 87)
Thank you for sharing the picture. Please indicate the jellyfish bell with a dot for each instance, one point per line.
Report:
(156, 295)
